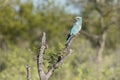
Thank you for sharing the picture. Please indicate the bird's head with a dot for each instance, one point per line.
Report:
(78, 18)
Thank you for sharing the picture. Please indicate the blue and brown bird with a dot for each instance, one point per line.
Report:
(75, 29)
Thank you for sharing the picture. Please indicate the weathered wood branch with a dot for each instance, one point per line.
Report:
(42, 74)
(28, 73)
(40, 58)
(101, 48)
(56, 65)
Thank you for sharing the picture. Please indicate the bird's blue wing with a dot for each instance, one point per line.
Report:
(76, 28)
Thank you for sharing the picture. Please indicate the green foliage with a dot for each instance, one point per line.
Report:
(14, 63)
(21, 26)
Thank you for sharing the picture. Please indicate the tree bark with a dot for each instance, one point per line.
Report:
(42, 74)
(101, 48)
(56, 65)
(28, 73)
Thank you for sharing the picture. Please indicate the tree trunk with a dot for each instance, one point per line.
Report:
(101, 48)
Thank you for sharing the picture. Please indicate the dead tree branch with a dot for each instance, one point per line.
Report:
(56, 65)
(42, 74)
(101, 48)
(28, 73)
(40, 58)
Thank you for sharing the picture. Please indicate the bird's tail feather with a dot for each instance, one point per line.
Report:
(68, 39)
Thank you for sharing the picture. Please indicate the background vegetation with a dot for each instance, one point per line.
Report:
(23, 21)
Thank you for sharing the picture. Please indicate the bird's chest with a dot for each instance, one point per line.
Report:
(75, 29)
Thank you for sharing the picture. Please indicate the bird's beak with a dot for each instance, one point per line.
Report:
(74, 19)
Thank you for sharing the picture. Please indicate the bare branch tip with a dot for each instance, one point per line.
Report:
(44, 34)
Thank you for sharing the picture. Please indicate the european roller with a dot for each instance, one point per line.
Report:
(75, 29)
